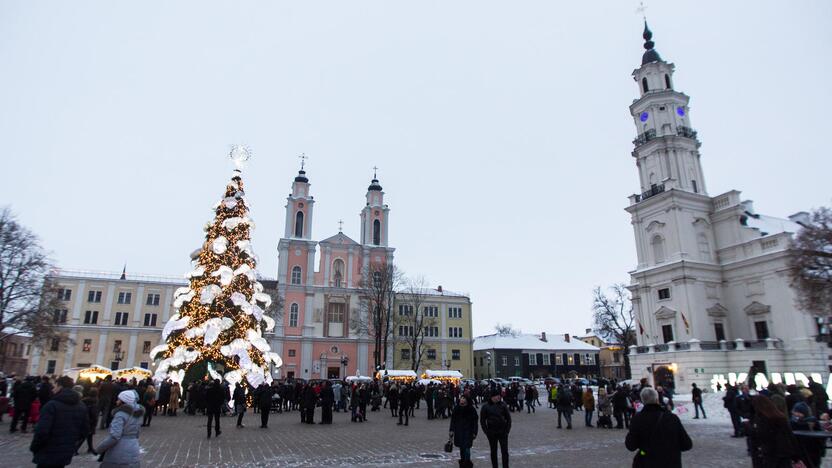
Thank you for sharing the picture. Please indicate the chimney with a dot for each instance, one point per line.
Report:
(588, 331)
(543, 336)
(439, 289)
(566, 337)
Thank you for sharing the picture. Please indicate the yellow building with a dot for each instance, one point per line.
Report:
(108, 321)
(448, 338)
(611, 356)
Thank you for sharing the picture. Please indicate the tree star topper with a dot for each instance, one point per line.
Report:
(240, 154)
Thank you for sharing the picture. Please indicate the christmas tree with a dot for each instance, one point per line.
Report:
(219, 318)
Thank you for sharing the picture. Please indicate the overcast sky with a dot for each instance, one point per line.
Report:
(501, 129)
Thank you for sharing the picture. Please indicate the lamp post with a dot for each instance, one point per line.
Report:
(488, 357)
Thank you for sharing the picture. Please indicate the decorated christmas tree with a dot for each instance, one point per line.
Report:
(218, 320)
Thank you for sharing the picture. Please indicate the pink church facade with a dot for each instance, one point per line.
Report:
(314, 336)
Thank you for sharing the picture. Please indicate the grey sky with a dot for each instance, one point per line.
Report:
(501, 129)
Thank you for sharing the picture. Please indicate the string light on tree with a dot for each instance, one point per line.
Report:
(220, 317)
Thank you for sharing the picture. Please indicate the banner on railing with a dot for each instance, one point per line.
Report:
(761, 381)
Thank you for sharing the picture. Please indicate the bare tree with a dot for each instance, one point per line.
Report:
(29, 303)
(613, 318)
(505, 329)
(415, 320)
(379, 282)
(812, 263)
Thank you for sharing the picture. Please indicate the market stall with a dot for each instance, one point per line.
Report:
(427, 382)
(358, 379)
(91, 373)
(137, 373)
(401, 376)
(449, 376)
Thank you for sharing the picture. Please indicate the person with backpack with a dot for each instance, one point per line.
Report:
(656, 435)
(495, 421)
(564, 405)
(463, 429)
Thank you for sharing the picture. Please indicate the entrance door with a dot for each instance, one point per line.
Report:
(333, 372)
(663, 376)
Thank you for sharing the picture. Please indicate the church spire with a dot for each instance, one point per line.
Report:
(651, 55)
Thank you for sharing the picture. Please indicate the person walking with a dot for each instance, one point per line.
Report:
(463, 429)
(239, 399)
(149, 403)
(604, 409)
(310, 399)
(22, 395)
(63, 422)
(91, 403)
(214, 397)
(175, 396)
(263, 395)
(121, 447)
(696, 392)
(404, 405)
(564, 404)
(327, 401)
(589, 406)
(495, 421)
(657, 435)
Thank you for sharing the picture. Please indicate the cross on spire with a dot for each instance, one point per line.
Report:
(303, 157)
(642, 8)
(375, 172)
(340, 225)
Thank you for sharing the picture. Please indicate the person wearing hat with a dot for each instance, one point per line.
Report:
(121, 447)
(495, 421)
(63, 422)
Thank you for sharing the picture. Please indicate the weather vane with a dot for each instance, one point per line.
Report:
(303, 157)
(642, 9)
(340, 225)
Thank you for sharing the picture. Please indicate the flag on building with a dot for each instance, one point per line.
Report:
(685, 320)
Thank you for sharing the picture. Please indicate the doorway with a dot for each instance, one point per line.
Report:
(333, 372)
(663, 376)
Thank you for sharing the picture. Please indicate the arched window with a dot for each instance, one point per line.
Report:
(376, 232)
(658, 248)
(376, 279)
(337, 272)
(704, 246)
(644, 86)
(296, 275)
(299, 224)
(293, 315)
(667, 81)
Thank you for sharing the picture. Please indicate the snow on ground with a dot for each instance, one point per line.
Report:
(712, 402)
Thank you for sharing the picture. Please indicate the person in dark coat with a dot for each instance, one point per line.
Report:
(656, 435)
(91, 403)
(45, 390)
(310, 399)
(495, 421)
(620, 408)
(696, 392)
(405, 402)
(564, 402)
(327, 400)
(770, 439)
(264, 402)
(214, 398)
(239, 398)
(106, 394)
(393, 399)
(63, 422)
(464, 430)
(23, 395)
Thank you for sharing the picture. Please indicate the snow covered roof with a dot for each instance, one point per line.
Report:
(766, 225)
(339, 238)
(554, 342)
(397, 373)
(443, 373)
(433, 292)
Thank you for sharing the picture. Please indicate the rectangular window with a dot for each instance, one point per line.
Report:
(431, 354)
(558, 360)
(571, 359)
(664, 293)
(56, 342)
(83, 364)
(293, 316)
(589, 359)
(455, 354)
(64, 294)
(616, 357)
(114, 365)
(719, 331)
(532, 359)
(121, 318)
(150, 320)
(91, 317)
(546, 359)
(116, 346)
(124, 297)
(336, 313)
(94, 296)
(455, 312)
(405, 310)
(143, 365)
(50, 366)
(59, 316)
(505, 360)
(516, 361)
(87, 345)
(292, 353)
(667, 333)
(405, 354)
(761, 328)
(152, 299)
(454, 332)
(146, 347)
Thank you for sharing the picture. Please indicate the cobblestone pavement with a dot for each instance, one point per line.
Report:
(534, 442)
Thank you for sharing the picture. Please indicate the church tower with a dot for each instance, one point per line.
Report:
(375, 217)
(671, 213)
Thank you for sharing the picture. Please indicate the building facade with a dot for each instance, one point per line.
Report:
(711, 289)
(534, 356)
(314, 336)
(107, 320)
(446, 320)
(14, 355)
(610, 357)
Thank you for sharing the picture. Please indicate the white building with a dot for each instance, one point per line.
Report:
(711, 289)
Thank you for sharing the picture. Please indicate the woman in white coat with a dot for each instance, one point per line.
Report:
(121, 447)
